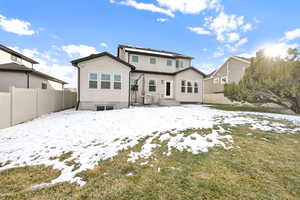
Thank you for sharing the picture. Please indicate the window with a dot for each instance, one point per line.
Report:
(183, 86)
(117, 81)
(224, 80)
(179, 64)
(105, 81)
(169, 62)
(16, 59)
(152, 86)
(152, 60)
(93, 83)
(216, 80)
(189, 87)
(135, 59)
(44, 86)
(196, 87)
(134, 83)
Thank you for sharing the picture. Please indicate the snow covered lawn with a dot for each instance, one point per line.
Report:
(86, 137)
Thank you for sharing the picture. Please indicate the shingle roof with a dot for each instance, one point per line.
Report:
(153, 51)
(21, 68)
(75, 62)
(8, 50)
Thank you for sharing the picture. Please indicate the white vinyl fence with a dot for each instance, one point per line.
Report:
(21, 104)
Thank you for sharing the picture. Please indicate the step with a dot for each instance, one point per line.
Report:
(169, 102)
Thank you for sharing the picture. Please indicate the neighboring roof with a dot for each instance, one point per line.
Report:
(8, 50)
(154, 52)
(170, 73)
(192, 68)
(75, 62)
(239, 58)
(14, 67)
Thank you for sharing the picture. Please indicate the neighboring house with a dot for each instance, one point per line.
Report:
(231, 71)
(137, 75)
(17, 70)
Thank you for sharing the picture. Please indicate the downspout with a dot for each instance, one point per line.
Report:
(129, 90)
(27, 73)
(78, 88)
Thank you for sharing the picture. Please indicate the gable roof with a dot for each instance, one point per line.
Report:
(242, 59)
(153, 52)
(192, 68)
(10, 51)
(14, 67)
(75, 62)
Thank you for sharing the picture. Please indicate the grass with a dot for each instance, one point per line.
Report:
(240, 108)
(266, 166)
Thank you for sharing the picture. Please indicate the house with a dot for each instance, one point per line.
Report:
(137, 76)
(231, 71)
(18, 70)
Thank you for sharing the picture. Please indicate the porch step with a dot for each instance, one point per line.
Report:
(169, 102)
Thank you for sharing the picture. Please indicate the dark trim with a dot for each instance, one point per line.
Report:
(10, 51)
(151, 54)
(75, 62)
(129, 91)
(154, 72)
(78, 88)
(192, 68)
(28, 86)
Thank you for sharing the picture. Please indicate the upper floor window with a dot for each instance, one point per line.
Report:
(117, 81)
(152, 86)
(169, 62)
(93, 83)
(16, 59)
(44, 86)
(196, 89)
(179, 64)
(152, 60)
(105, 81)
(135, 59)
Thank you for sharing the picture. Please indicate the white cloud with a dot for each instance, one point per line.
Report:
(79, 50)
(291, 35)
(16, 26)
(189, 6)
(232, 37)
(162, 19)
(247, 27)
(103, 44)
(219, 52)
(199, 30)
(147, 6)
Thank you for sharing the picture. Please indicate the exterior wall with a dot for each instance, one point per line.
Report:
(90, 98)
(6, 58)
(9, 79)
(233, 69)
(216, 99)
(36, 82)
(161, 62)
(189, 75)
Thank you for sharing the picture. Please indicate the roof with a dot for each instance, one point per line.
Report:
(154, 52)
(8, 50)
(170, 73)
(192, 68)
(242, 59)
(75, 62)
(14, 67)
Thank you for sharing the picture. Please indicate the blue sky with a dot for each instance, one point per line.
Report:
(56, 32)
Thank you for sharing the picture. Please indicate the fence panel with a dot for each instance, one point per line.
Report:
(5, 115)
(24, 105)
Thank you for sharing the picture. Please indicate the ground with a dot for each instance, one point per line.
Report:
(188, 152)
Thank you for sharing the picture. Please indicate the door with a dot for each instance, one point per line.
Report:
(168, 89)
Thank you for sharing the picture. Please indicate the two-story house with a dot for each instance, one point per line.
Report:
(137, 76)
(18, 70)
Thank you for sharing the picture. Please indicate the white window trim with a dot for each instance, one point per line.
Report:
(93, 80)
(226, 80)
(111, 81)
(117, 81)
(155, 81)
(137, 59)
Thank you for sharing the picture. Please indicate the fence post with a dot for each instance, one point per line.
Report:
(11, 90)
